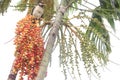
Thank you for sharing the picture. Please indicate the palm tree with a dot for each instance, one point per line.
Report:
(89, 42)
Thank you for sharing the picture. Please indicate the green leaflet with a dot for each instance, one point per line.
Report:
(22, 5)
(98, 33)
(111, 22)
(117, 8)
(110, 9)
(4, 4)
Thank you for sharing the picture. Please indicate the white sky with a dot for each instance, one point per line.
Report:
(7, 26)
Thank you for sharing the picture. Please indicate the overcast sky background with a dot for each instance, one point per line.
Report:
(7, 29)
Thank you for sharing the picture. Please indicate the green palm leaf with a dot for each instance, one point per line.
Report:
(4, 5)
(22, 5)
(110, 9)
(98, 33)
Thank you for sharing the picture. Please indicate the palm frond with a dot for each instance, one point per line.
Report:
(22, 5)
(111, 10)
(4, 4)
(96, 31)
(98, 34)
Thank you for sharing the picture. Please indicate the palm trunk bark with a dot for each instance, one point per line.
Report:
(12, 75)
(50, 44)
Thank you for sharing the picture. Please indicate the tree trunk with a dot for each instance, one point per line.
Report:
(50, 44)
(12, 75)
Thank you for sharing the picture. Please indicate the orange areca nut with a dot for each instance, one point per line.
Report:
(29, 47)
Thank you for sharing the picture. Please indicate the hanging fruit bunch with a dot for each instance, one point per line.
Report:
(29, 47)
